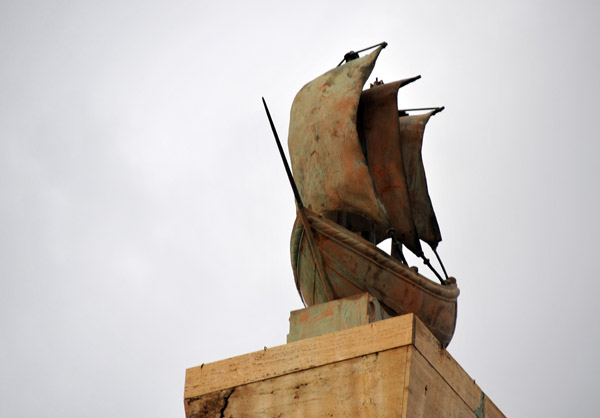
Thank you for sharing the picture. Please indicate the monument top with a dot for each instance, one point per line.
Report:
(358, 179)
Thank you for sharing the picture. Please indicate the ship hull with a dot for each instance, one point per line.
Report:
(353, 265)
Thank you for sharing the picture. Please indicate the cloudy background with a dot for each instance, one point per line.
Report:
(145, 213)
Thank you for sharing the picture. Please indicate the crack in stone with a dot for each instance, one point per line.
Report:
(226, 403)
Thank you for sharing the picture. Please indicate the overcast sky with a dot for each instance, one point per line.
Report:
(145, 216)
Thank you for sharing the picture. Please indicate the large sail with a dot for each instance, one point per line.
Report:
(412, 129)
(328, 163)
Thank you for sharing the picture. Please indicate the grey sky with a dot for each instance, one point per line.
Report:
(145, 216)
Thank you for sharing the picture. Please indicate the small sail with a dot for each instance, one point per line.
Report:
(412, 129)
(380, 133)
(327, 160)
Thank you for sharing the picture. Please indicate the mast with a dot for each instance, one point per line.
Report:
(314, 250)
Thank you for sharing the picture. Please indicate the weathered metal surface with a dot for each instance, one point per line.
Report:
(380, 132)
(412, 129)
(337, 315)
(354, 265)
(327, 161)
(359, 170)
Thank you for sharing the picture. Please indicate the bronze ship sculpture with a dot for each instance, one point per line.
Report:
(358, 179)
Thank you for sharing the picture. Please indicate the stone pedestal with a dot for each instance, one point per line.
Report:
(389, 368)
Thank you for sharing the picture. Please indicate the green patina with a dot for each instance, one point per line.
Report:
(480, 410)
(337, 315)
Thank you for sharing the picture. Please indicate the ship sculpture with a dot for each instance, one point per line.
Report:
(359, 179)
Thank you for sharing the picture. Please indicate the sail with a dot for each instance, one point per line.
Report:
(380, 133)
(328, 163)
(412, 129)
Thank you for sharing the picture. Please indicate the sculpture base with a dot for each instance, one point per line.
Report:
(392, 367)
(337, 315)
